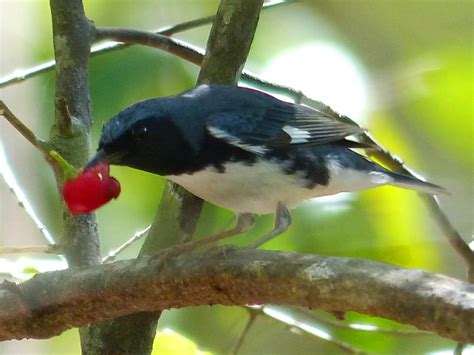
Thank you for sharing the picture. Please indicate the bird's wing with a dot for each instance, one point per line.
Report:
(258, 129)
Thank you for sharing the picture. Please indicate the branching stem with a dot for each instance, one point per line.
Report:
(23, 129)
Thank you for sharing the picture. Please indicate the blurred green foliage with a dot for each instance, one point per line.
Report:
(418, 56)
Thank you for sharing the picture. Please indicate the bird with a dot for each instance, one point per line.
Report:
(245, 150)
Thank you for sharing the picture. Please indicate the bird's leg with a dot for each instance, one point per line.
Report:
(282, 223)
(245, 222)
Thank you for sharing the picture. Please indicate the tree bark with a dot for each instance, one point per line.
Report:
(50, 303)
(71, 133)
(229, 42)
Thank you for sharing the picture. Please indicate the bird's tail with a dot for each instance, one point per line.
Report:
(412, 183)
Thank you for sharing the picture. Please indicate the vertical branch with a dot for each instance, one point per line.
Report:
(229, 41)
(72, 33)
(178, 213)
(71, 133)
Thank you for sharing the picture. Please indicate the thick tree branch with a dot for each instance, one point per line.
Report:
(50, 303)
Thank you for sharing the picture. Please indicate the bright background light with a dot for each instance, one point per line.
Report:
(330, 74)
(325, 72)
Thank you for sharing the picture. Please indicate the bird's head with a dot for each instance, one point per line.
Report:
(143, 136)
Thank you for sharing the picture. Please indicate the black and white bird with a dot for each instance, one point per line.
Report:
(245, 150)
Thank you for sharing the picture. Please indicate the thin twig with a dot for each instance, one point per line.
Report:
(30, 136)
(450, 233)
(459, 349)
(432, 203)
(448, 230)
(312, 332)
(296, 325)
(113, 253)
(287, 317)
(354, 326)
(37, 142)
(176, 47)
(21, 75)
(292, 324)
(243, 334)
(186, 51)
(7, 175)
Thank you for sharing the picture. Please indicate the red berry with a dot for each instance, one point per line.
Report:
(90, 190)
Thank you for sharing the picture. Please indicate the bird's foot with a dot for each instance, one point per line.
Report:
(177, 250)
(225, 250)
(173, 252)
(244, 223)
(282, 223)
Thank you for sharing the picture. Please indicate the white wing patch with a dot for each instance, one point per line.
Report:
(297, 135)
(221, 134)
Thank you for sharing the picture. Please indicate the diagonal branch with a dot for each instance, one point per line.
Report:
(21, 75)
(451, 234)
(310, 316)
(111, 255)
(188, 52)
(23, 129)
(50, 303)
(174, 46)
(305, 328)
(41, 145)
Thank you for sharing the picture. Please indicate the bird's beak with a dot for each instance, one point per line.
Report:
(103, 157)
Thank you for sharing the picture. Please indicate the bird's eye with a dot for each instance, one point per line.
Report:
(140, 133)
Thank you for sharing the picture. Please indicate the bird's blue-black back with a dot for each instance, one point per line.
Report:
(170, 136)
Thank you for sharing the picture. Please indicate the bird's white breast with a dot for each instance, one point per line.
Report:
(259, 187)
